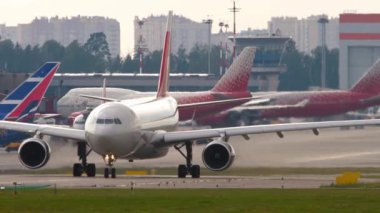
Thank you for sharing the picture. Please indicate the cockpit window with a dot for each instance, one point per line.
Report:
(108, 121)
(117, 121)
(100, 121)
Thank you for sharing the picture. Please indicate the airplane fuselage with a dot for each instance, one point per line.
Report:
(122, 128)
(73, 103)
(320, 103)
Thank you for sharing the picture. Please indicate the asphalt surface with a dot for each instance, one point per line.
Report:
(332, 148)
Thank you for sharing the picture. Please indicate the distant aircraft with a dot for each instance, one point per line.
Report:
(22, 103)
(141, 128)
(364, 93)
(233, 86)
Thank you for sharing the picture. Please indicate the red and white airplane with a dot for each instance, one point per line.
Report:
(365, 93)
(144, 128)
(230, 91)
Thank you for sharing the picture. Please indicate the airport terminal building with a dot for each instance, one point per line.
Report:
(359, 46)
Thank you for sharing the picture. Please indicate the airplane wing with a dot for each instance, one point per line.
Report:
(254, 106)
(58, 131)
(100, 98)
(258, 100)
(171, 138)
(371, 100)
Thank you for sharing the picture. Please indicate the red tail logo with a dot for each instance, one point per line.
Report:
(369, 83)
(165, 61)
(237, 76)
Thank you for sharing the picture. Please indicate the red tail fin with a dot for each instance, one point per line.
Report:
(370, 81)
(165, 61)
(237, 76)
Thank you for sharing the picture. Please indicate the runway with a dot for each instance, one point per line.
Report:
(332, 148)
(66, 181)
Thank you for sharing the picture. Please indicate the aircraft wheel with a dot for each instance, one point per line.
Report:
(195, 171)
(113, 173)
(91, 170)
(182, 171)
(106, 172)
(77, 170)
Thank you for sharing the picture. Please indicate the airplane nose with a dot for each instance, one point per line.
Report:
(108, 129)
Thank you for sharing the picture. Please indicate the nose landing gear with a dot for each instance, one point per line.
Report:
(109, 170)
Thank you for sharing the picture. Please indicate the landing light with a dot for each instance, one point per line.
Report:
(109, 159)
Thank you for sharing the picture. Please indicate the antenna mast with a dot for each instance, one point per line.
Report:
(234, 10)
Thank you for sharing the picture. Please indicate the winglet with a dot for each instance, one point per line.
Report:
(163, 81)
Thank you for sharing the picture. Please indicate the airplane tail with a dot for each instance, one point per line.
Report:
(25, 99)
(237, 76)
(163, 82)
(369, 82)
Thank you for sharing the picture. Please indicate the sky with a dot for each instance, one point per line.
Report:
(253, 14)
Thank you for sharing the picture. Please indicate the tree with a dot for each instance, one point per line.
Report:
(296, 77)
(152, 61)
(76, 59)
(332, 67)
(97, 46)
(6, 55)
(115, 64)
(198, 59)
(215, 59)
(52, 51)
(332, 70)
(182, 62)
(129, 65)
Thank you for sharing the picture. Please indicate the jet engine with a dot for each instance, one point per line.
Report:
(218, 155)
(34, 153)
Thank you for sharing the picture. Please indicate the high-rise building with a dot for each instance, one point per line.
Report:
(283, 26)
(306, 32)
(64, 31)
(185, 32)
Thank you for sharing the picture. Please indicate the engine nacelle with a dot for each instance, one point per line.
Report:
(218, 155)
(34, 153)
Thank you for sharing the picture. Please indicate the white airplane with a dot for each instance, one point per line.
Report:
(143, 128)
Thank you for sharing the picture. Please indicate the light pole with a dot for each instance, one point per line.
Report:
(323, 21)
(140, 23)
(209, 22)
(221, 25)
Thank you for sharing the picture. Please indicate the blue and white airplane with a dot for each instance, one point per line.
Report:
(22, 103)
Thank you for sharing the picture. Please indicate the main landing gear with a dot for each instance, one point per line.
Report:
(109, 170)
(83, 167)
(183, 170)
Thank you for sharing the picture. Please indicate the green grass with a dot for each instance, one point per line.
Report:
(191, 200)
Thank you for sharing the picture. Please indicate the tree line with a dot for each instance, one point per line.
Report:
(303, 70)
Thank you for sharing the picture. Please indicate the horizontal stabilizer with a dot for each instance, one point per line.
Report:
(100, 98)
(300, 104)
(371, 100)
(259, 99)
